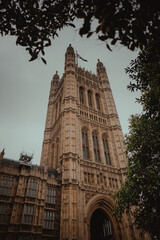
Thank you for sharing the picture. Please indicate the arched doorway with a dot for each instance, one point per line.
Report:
(100, 226)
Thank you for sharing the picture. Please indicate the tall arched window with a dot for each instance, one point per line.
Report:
(98, 102)
(60, 102)
(96, 147)
(56, 113)
(106, 150)
(85, 147)
(52, 164)
(90, 98)
(81, 95)
(57, 151)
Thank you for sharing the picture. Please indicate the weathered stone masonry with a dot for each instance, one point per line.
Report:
(70, 195)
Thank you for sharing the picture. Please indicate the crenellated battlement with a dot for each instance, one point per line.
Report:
(86, 73)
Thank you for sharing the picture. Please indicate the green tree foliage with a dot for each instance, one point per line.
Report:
(35, 22)
(141, 191)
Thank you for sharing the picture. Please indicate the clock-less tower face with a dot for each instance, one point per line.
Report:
(84, 142)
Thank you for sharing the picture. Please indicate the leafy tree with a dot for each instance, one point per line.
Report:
(140, 193)
(35, 22)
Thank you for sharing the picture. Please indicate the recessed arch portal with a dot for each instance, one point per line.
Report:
(106, 205)
(100, 226)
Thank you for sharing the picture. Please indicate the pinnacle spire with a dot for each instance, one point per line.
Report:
(55, 78)
(69, 57)
(100, 67)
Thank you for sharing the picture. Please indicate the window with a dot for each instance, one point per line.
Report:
(57, 152)
(51, 195)
(32, 189)
(85, 147)
(53, 155)
(6, 185)
(106, 150)
(3, 211)
(28, 214)
(96, 147)
(90, 99)
(60, 102)
(107, 228)
(81, 95)
(98, 102)
(56, 114)
(48, 219)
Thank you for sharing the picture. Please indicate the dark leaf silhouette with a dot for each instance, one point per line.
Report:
(131, 23)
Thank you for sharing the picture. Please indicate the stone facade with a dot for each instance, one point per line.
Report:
(83, 160)
(28, 194)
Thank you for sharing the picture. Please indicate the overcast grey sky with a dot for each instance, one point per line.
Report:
(24, 87)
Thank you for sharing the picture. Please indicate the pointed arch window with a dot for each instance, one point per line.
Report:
(106, 150)
(60, 102)
(85, 147)
(81, 95)
(57, 152)
(53, 149)
(56, 114)
(98, 102)
(96, 147)
(90, 98)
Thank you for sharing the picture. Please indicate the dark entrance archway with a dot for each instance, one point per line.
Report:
(100, 226)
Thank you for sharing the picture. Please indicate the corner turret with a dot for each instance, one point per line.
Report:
(69, 57)
(55, 82)
(55, 79)
(102, 74)
(100, 68)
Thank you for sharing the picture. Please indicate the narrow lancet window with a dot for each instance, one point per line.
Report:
(96, 147)
(81, 95)
(90, 99)
(98, 102)
(57, 152)
(85, 147)
(106, 150)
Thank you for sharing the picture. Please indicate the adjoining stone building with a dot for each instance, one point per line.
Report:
(70, 195)
(30, 199)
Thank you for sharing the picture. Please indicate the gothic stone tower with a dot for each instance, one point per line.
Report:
(84, 142)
